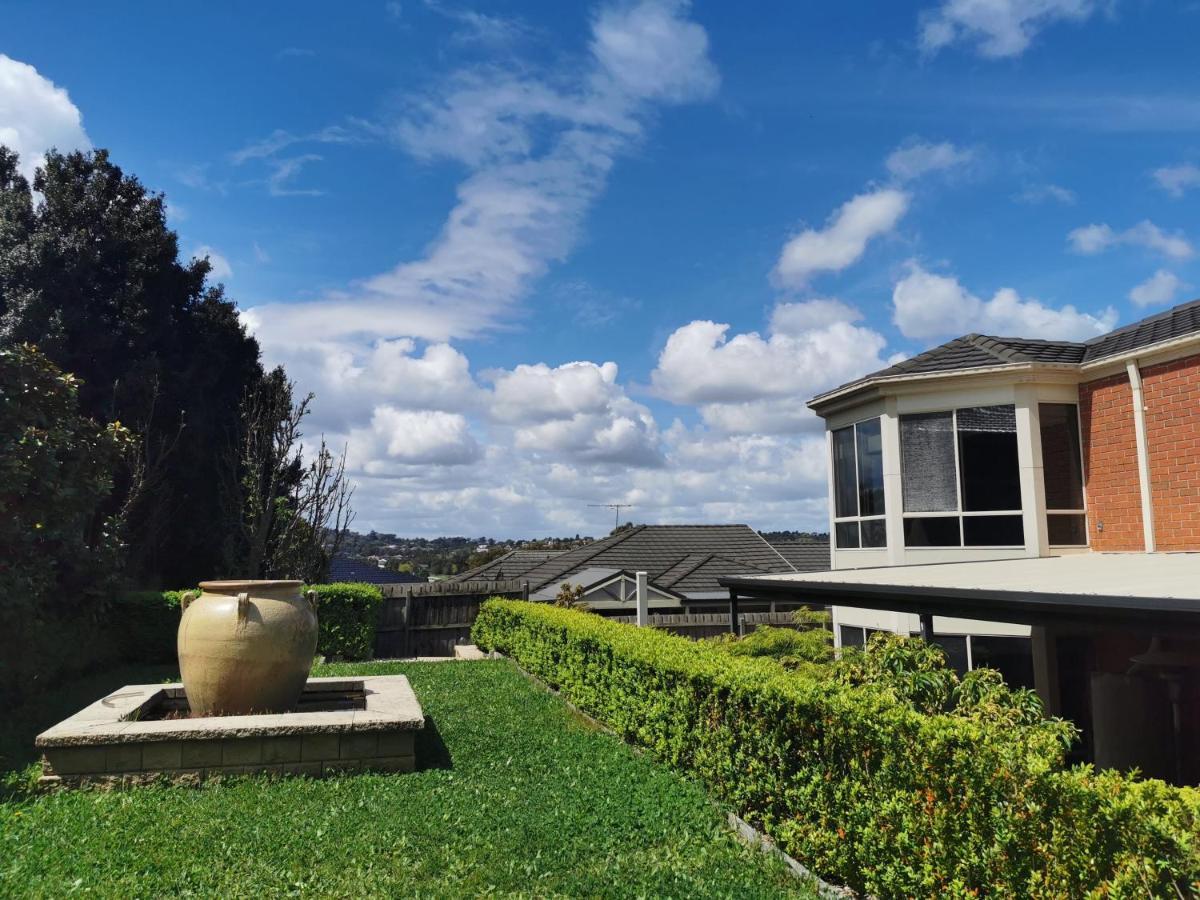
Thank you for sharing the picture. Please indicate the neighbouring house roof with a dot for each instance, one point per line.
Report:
(978, 351)
(1139, 591)
(684, 559)
(343, 568)
(806, 556)
(513, 564)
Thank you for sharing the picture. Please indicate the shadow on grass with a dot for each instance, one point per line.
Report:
(431, 751)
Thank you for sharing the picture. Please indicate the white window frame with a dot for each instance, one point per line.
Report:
(858, 519)
(958, 511)
(1087, 531)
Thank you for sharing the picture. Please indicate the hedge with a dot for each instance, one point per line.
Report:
(862, 789)
(347, 613)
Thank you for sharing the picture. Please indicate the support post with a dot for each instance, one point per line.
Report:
(733, 611)
(926, 627)
(643, 599)
(525, 590)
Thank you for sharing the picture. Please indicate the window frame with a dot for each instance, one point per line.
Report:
(959, 512)
(857, 519)
(1048, 512)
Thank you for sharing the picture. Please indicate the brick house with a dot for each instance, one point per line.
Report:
(1033, 506)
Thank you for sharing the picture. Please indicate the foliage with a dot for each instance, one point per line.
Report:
(806, 647)
(293, 517)
(516, 798)
(56, 545)
(347, 614)
(146, 624)
(853, 779)
(90, 273)
(569, 595)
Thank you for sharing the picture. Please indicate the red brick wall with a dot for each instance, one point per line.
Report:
(1110, 464)
(1171, 392)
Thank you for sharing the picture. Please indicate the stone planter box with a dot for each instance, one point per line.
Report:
(142, 733)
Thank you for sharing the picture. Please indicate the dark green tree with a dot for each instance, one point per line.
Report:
(91, 273)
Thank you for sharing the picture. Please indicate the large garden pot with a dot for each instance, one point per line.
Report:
(246, 646)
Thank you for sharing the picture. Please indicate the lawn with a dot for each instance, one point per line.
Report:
(516, 797)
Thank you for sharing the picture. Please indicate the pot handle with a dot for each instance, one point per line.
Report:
(243, 606)
(186, 600)
(311, 597)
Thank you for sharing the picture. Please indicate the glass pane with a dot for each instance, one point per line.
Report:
(993, 531)
(1012, 657)
(870, 469)
(927, 462)
(987, 458)
(1061, 463)
(851, 636)
(874, 533)
(1067, 531)
(847, 535)
(845, 490)
(939, 532)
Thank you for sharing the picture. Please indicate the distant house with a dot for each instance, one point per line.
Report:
(1032, 506)
(343, 568)
(682, 562)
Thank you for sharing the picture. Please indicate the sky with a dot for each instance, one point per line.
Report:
(536, 256)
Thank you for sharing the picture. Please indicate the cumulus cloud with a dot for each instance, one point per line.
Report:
(927, 305)
(844, 238)
(1093, 239)
(997, 28)
(1178, 180)
(407, 437)
(917, 157)
(1161, 287)
(221, 269)
(36, 115)
(749, 382)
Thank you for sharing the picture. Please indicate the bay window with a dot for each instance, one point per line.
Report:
(961, 478)
(858, 486)
(1062, 468)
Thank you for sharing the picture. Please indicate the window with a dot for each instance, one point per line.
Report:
(1062, 468)
(960, 478)
(858, 487)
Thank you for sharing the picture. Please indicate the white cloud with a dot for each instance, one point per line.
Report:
(752, 383)
(916, 157)
(652, 53)
(406, 437)
(1041, 193)
(926, 305)
(220, 267)
(36, 115)
(998, 28)
(844, 238)
(1178, 180)
(1161, 287)
(1092, 239)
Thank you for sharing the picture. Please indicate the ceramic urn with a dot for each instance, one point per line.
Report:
(246, 646)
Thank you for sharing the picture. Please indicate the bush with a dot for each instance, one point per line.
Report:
(146, 625)
(866, 790)
(793, 648)
(347, 613)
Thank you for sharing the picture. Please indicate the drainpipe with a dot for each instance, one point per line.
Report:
(1143, 452)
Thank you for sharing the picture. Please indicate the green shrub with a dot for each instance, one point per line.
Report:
(347, 614)
(791, 647)
(146, 624)
(859, 784)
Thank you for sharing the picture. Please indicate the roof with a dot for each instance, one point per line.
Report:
(806, 556)
(1130, 590)
(343, 568)
(686, 559)
(977, 351)
(513, 564)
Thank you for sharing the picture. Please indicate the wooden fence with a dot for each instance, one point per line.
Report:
(431, 619)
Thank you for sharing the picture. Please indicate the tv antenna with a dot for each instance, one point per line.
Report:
(616, 508)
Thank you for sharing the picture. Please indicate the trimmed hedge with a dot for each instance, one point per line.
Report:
(864, 790)
(146, 624)
(347, 613)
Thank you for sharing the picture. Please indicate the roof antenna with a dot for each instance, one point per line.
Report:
(616, 508)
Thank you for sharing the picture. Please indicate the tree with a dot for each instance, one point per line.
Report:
(57, 549)
(293, 517)
(90, 273)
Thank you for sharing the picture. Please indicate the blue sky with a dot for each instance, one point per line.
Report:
(533, 256)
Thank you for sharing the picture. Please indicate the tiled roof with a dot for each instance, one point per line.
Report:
(976, 351)
(513, 564)
(343, 568)
(806, 556)
(683, 558)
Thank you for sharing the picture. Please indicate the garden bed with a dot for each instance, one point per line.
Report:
(514, 795)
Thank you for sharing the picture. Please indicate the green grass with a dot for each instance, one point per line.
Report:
(516, 797)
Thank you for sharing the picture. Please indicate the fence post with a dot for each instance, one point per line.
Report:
(643, 599)
(525, 590)
(406, 634)
(734, 624)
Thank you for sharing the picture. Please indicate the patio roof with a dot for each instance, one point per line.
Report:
(1142, 591)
